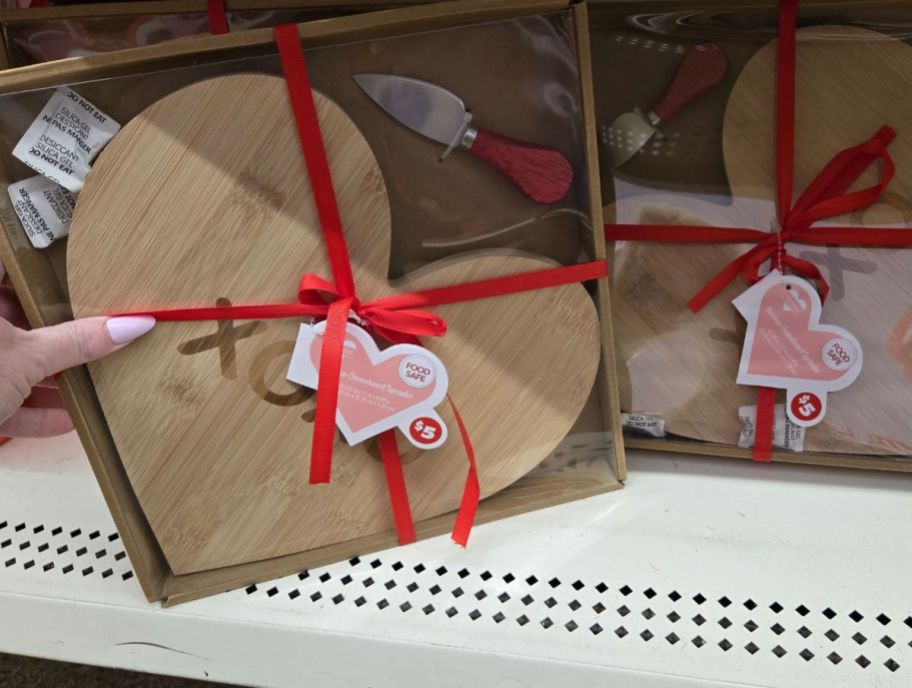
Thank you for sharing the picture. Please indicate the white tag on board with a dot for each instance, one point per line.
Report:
(787, 347)
(398, 387)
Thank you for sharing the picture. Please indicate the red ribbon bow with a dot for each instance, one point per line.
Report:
(391, 320)
(826, 196)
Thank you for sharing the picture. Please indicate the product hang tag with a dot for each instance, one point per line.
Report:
(787, 348)
(44, 209)
(398, 387)
(64, 139)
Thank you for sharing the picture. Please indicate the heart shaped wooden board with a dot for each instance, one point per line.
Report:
(204, 196)
(682, 366)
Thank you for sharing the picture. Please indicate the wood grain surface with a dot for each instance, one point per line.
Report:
(202, 197)
(682, 366)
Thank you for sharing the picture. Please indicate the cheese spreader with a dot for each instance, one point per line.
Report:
(542, 174)
(700, 71)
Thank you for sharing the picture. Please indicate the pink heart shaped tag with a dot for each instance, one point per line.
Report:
(786, 347)
(378, 390)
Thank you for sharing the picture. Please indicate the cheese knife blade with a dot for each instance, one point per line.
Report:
(542, 174)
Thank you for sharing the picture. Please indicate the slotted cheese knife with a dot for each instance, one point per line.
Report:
(700, 71)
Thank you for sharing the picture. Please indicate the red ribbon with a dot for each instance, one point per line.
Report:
(399, 318)
(395, 486)
(826, 196)
(218, 19)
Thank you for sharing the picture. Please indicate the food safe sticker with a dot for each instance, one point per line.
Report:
(787, 348)
(398, 387)
(64, 139)
(786, 435)
(43, 207)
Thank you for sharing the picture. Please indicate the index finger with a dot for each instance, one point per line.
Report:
(73, 343)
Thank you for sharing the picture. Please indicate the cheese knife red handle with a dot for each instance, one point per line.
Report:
(701, 70)
(542, 174)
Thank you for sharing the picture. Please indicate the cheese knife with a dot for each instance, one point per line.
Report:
(701, 70)
(542, 174)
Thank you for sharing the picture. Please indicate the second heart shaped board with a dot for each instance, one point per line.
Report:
(682, 366)
(204, 198)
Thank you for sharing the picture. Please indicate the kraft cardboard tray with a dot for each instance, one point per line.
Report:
(109, 23)
(39, 277)
(616, 26)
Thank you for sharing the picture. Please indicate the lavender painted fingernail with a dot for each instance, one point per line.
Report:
(129, 327)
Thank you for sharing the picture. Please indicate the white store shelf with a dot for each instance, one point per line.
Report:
(700, 572)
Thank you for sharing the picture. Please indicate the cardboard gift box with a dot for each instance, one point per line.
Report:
(693, 190)
(41, 34)
(205, 469)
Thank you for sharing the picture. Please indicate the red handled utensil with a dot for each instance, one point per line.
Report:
(701, 70)
(542, 174)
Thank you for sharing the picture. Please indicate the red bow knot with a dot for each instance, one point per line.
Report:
(825, 196)
(389, 318)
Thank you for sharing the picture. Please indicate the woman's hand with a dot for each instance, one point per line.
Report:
(30, 358)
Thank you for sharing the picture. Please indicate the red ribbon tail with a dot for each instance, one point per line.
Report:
(763, 433)
(395, 485)
(324, 434)
(468, 508)
(218, 19)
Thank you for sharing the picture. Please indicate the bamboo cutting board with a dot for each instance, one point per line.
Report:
(850, 82)
(204, 197)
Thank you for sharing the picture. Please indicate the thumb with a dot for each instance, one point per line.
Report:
(73, 343)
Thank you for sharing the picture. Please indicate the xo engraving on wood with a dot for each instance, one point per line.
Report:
(258, 373)
(262, 372)
(224, 339)
(733, 336)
